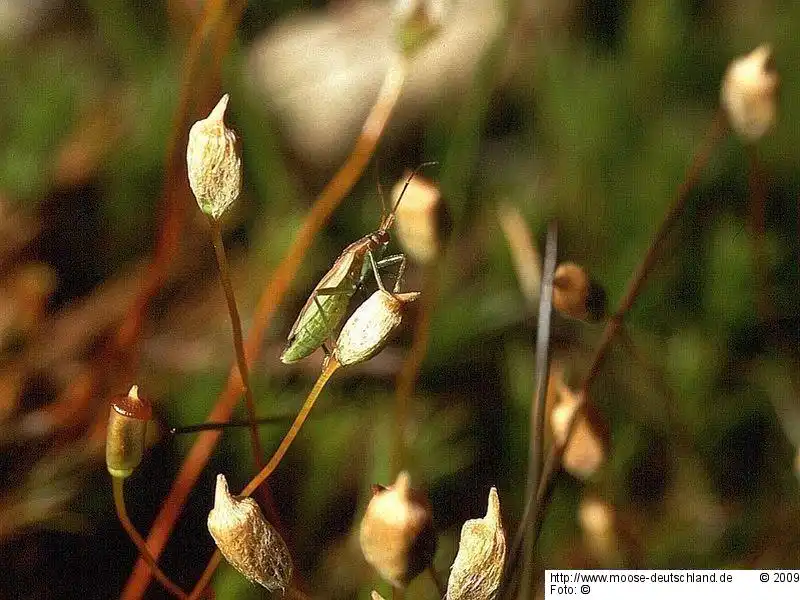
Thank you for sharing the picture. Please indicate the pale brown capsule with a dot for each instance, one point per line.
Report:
(397, 535)
(371, 326)
(586, 451)
(749, 94)
(422, 221)
(213, 162)
(417, 22)
(577, 296)
(248, 541)
(598, 522)
(125, 434)
(478, 568)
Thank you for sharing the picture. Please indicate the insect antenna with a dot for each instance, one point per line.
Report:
(380, 190)
(389, 219)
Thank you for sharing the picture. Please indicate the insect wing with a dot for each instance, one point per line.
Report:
(335, 276)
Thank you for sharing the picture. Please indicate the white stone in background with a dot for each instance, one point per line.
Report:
(21, 17)
(320, 72)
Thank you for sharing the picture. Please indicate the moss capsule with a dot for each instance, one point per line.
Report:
(127, 425)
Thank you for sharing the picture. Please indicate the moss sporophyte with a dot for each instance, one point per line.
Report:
(327, 304)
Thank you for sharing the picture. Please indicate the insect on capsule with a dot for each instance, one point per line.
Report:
(327, 304)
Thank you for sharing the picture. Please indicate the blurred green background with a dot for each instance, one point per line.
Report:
(584, 112)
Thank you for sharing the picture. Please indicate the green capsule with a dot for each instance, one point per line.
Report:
(127, 425)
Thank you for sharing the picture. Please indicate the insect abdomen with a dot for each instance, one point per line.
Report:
(313, 329)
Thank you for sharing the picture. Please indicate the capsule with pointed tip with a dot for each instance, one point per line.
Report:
(213, 163)
(478, 568)
(371, 326)
(248, 541)
(749, 94)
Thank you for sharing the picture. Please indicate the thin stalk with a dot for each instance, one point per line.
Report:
(238, 343)
(208, 426)
(398, 594)
(330, 367)
(536, 449)
(118, 485)
(208, 573)
(271, 297)
(411, 366)
(640, 275)
(437, 581)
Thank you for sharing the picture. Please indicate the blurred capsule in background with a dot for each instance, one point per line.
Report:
(319, 71)
(587, 448)
(422, 223)
(598, 525)
(576, 295)
(397, 535)
(749, 94)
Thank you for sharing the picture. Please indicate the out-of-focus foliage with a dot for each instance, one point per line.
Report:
(583, 112)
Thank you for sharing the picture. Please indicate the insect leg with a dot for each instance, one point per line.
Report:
(378, 279)
(392, 260)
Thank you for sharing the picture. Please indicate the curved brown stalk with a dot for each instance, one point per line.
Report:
(118, 486)
(331, 366)
(411, 366)
(271, 297)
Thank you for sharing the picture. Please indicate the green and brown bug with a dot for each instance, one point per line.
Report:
(327, 304)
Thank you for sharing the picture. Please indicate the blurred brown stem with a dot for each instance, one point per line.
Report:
(409, 372)
(271, 297)
(755, 181)
(175, 197)
(236, 325)
(208, 573)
